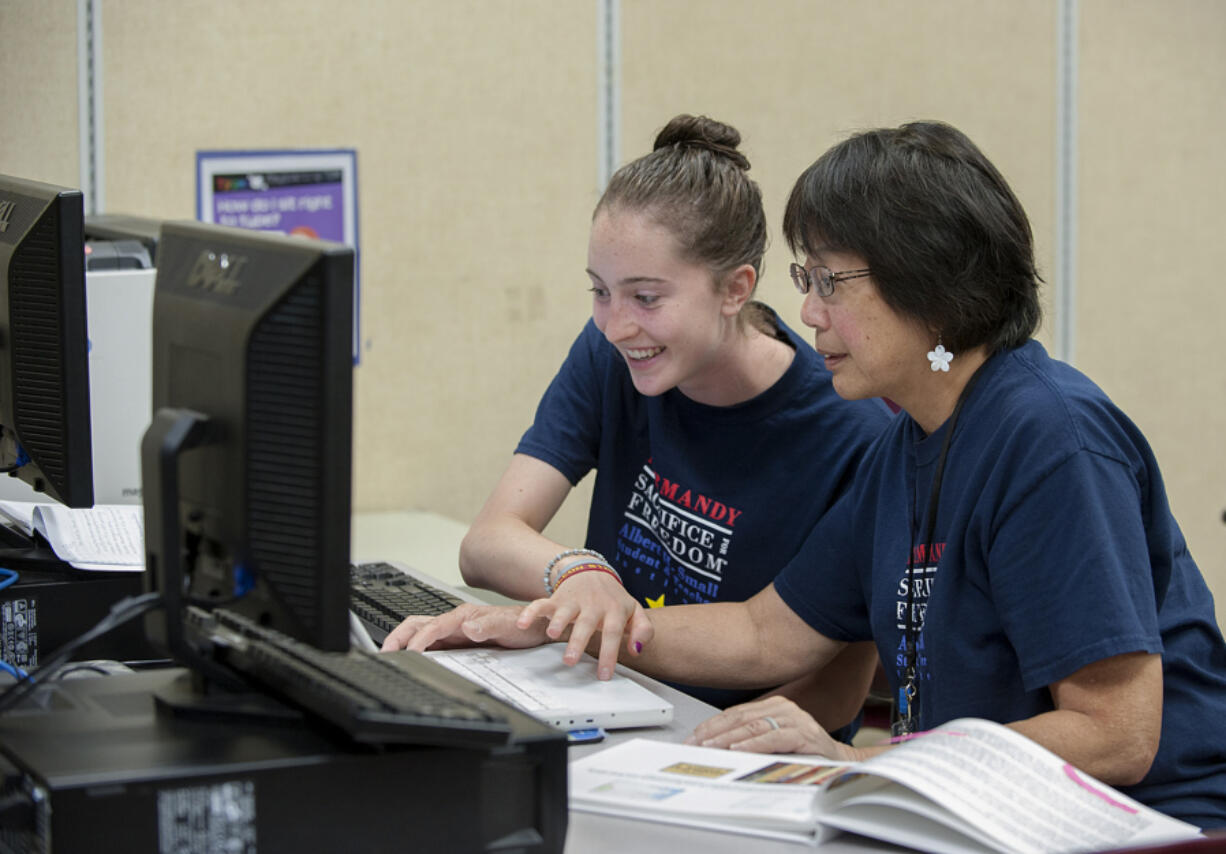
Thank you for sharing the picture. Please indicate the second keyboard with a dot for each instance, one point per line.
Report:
(382, 596)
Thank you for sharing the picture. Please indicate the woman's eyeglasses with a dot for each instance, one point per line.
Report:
(821, 279)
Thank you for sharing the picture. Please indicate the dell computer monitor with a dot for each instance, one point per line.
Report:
(246, 464)
(121, 241)
(44, 371)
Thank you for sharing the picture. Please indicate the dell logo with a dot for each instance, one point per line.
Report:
(217, 272)
(6, 214)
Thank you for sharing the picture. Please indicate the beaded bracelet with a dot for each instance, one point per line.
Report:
(586, 567)
(549, 585)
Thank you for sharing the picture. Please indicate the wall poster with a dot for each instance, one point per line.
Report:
(311, 193)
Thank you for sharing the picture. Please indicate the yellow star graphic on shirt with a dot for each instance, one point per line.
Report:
(654, 603)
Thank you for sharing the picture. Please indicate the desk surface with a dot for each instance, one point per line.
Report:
(430, 543)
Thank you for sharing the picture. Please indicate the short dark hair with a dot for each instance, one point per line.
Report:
(946, 239)
(695, 183)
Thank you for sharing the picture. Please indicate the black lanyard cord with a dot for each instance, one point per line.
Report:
(910, 682)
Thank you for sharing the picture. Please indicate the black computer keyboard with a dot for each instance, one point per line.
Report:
(382, 596)
(374, 698)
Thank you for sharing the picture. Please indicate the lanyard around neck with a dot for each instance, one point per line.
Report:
(906, 723)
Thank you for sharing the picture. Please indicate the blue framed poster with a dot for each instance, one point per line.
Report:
(310, 193)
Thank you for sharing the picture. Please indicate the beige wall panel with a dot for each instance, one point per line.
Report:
(1151, 254)
(38, 97)
(474, 124)
(795, 76)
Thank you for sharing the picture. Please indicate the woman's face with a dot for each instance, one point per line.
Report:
(870, 349)
(664, 314)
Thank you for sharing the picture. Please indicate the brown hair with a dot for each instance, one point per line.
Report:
(695, 184)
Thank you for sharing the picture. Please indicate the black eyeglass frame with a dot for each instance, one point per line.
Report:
(804, 278)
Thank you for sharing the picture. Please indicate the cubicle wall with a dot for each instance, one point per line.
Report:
(38, 98)
(478, 130)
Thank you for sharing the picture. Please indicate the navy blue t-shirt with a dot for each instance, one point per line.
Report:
(1054, 548)
(695, 503)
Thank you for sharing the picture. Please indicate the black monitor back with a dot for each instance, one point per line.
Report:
(252, 401)
(44, 369)
(135, 238)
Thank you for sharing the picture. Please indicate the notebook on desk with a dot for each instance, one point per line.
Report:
(536, 681)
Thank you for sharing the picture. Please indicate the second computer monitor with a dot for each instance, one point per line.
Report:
(44, 372)
(246, 466)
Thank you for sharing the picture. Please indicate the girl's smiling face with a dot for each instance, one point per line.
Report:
(664, 314)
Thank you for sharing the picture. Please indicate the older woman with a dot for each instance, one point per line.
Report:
(1007, 544)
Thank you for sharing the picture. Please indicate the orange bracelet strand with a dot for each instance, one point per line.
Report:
(586, 567)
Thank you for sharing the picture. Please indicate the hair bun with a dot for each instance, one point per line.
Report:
(704, 133)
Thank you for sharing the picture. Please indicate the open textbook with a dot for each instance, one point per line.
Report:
(103, 537)
(968, 786)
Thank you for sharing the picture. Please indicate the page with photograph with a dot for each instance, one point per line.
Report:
(760, 794)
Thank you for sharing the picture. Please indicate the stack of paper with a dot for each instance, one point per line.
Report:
(104, 537)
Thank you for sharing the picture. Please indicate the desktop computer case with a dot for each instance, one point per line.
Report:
(119, 306)
(52, 605)
(106, 770)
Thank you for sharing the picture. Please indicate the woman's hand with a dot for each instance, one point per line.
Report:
(771, 725)
(467, 625)
(587, 603)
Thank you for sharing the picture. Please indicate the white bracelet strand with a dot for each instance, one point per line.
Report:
(548, 577)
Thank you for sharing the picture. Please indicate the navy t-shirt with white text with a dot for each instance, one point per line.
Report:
(1054, 548)
(695, 503)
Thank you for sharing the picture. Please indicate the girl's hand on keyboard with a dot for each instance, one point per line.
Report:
(467, 625)
(586, 605)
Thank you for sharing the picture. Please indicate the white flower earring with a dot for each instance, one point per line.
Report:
(940, 357)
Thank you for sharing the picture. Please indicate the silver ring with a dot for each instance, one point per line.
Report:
(774, 724)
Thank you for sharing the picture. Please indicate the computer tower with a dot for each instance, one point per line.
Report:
(119, 307)
(93, 764)
(50, 605)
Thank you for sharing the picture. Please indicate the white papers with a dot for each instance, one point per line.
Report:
(19, 515)
(104, 537)
(1004, 787)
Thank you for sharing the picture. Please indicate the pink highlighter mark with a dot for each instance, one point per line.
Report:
(1076, 778)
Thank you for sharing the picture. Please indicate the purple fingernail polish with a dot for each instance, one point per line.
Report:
(638, 646)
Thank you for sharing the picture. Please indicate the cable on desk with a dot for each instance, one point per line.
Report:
(8, 578)
(78, 668)
(13, 670)
(123, 611)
